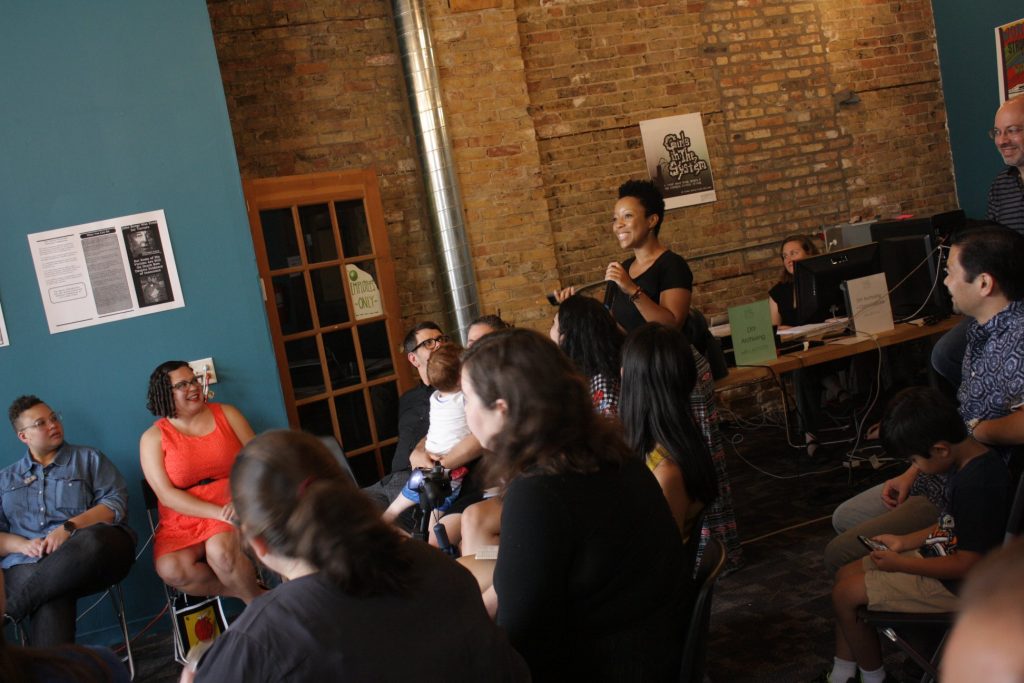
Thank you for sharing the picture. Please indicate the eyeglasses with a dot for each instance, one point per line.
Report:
(1009, 130)
(186, 383)
(54, 419)
(432, 343)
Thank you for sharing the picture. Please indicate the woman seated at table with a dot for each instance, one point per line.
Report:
(658, 376)
(809, 381)
(782, 297)
(186, 458)
(655, 284)
(589, 578)
(359, 602)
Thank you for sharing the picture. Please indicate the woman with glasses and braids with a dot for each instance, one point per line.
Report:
(186, 458)
(359, 600)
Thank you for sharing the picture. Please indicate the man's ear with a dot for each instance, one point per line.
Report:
(986, 284)
(22, 436)
(413, 359)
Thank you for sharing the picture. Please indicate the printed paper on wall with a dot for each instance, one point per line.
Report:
(678, 160)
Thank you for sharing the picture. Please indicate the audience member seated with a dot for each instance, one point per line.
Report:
(986, 282)
(658, 377)
(63, 526)
(588, 335)
(655, 284)
(921, 571)
(483, 326)
(61, 664)
(447, 428)
(360, 602)
(986, 643)
(589, 575)
(413, 423)
(186, 458)
(782, 296)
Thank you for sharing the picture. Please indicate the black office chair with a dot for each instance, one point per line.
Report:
(691, 669)
(935, 627)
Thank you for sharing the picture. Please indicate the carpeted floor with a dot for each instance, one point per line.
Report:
(772, 618)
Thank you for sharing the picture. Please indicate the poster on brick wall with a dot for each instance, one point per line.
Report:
(678, 160)
(104, 271)
(1010, 59)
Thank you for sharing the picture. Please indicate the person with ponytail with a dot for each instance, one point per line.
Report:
(358, 600)
(589, 576)
(658, 376)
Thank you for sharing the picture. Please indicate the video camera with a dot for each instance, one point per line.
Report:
(433, 486)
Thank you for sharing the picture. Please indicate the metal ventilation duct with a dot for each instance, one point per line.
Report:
(439, 176)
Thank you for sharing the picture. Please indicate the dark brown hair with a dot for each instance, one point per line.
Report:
(288, 489)
(806, 243)
(550, 424)
(19, 406)
(444, 366)
(160, 397)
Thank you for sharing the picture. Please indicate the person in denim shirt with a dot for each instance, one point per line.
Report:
(63, 531)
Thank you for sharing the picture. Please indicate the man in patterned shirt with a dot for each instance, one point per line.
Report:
(1005, 206)
(986, 283)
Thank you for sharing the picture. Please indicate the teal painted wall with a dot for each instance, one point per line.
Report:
(967, 58)
(111, 108)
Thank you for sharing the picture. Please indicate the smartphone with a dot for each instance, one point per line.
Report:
(872, 545)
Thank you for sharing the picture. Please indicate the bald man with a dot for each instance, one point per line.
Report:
(1006, 195)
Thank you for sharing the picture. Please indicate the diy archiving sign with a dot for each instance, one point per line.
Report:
(104, 271)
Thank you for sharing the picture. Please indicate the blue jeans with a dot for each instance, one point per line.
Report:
(948, 352)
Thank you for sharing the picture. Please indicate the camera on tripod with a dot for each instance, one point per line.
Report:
(433, 487)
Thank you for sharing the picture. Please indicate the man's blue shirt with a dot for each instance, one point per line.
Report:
(35, 499)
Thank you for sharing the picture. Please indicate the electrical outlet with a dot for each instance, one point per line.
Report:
(198, 365)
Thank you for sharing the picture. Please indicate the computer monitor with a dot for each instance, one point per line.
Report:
(911, 262)
(818, 281)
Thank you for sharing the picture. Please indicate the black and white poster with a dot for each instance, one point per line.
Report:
(677, 159)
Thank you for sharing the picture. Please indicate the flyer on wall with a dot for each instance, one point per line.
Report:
(1010, 59)
(678, 160)
(4, 341)
(104, 271)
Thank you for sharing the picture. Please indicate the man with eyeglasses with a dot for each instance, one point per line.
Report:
(413, 423)
(63, 530)
(1006, 194)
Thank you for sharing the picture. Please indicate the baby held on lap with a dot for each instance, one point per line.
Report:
(447, 426)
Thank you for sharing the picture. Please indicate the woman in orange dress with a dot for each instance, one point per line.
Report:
(186, 458)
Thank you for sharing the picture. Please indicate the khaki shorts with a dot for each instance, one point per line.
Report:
(899, 592)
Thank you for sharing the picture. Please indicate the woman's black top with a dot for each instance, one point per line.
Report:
(782, 295)
(669, 271)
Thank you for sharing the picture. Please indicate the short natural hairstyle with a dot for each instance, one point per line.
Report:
(659, 373)
(19, 406)
(491, 320)
(916, 419)
(645, 192)
(590, 337)
(806, 243)
(160, 397)
(409, 343)
(550, 425)
(288, 489)
(444, 366)
(996, 250)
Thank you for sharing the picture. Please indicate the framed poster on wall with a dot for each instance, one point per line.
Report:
(1010, 59)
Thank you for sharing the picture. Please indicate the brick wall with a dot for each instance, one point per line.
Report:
(543, 100)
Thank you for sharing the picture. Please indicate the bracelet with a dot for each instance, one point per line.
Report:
(636, 295)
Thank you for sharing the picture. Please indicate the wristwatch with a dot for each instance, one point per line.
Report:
(70, 527)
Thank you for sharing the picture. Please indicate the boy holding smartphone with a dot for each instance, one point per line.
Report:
(921, 571)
